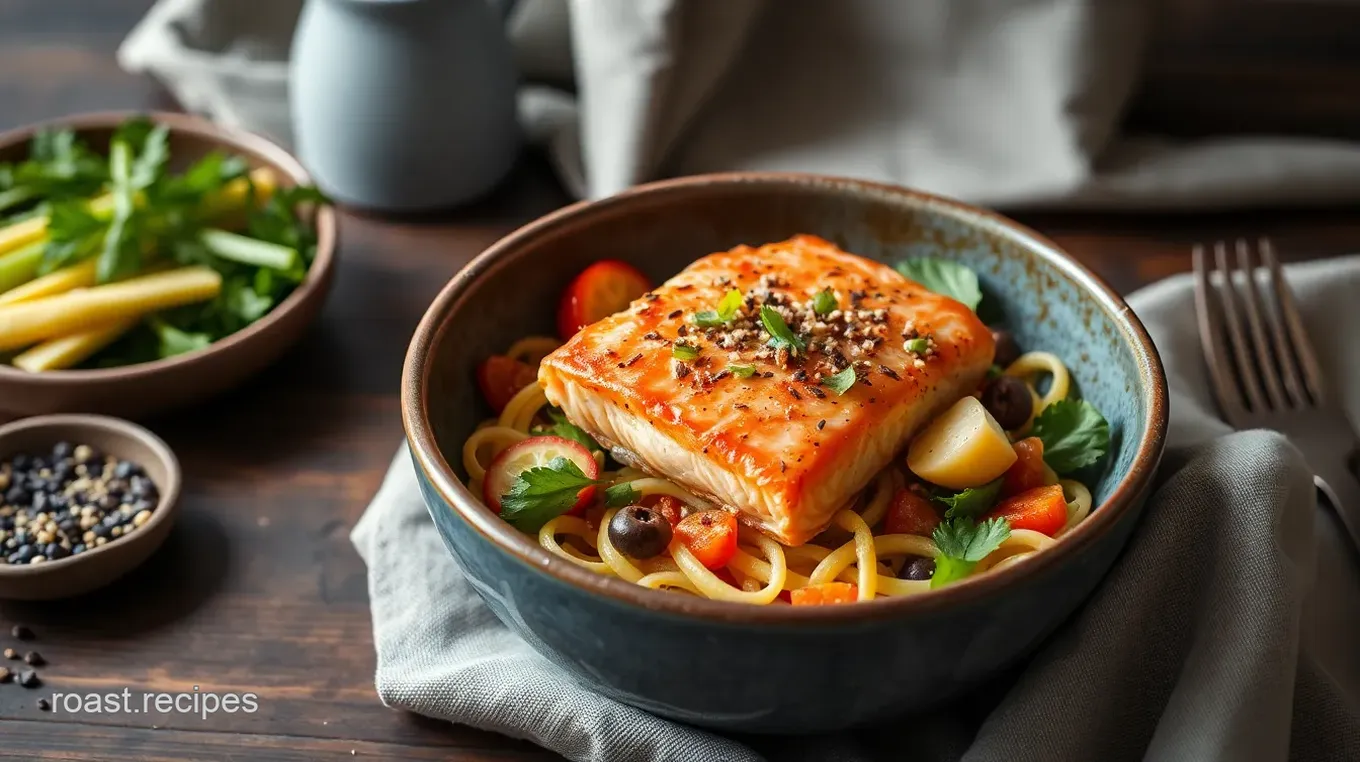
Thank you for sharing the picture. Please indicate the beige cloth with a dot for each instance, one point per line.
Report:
(1011, 103)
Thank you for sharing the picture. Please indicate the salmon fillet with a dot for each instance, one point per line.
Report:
(760, 429)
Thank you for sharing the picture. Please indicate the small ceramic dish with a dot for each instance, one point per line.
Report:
(145, 388)
(100, 566)
(779, 669)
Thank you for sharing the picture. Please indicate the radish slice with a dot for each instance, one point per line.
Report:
(533, 453)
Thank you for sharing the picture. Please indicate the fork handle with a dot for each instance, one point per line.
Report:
(1334, 479)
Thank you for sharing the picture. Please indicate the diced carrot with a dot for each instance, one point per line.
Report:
(910, 513)
(1028, 470)
(710, 535)
(824, 594)
(1042, 509)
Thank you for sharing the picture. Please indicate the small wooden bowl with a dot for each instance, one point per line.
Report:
(96, 567)
(154, 387)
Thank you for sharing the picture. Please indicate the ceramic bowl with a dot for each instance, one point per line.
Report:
(100, 566)
(778, 668)
(138, 390)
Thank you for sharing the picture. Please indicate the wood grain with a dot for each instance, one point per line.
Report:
(258, 589)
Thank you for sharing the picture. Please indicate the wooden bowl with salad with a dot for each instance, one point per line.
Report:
(149, 261)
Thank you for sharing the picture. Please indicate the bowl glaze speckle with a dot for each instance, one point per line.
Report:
(801, 669)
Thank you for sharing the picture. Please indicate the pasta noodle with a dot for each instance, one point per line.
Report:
(761, 568)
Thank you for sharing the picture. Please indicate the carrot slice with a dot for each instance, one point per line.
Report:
(825, 594)
(710, 535)
(1042, 509)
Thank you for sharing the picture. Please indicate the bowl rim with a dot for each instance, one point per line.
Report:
(232, 138)
(166, 504)
(468, 507)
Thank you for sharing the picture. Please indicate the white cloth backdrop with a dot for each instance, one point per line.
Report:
(1010, 103)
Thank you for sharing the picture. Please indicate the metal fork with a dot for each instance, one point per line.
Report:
(1264, 370)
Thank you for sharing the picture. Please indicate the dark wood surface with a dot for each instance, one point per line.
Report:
(259, 589)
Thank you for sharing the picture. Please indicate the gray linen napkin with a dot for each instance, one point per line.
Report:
(1227, 631)
(999, 102)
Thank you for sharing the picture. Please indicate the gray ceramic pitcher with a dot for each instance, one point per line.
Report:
(403, 105)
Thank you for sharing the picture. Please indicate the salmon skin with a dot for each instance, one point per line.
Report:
(771, 424)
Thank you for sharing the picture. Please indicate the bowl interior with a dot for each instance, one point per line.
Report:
(1048, 301)
(123, 440)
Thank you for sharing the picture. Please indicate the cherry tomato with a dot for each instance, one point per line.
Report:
(668, 506)
(501, 378)
(1027, 472)
(710, 535)
(824, 594)
(599, 291)
(1042, 509)
(910, 513)
(531, 453)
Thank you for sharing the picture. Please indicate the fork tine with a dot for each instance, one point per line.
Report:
(1289, 367)
(1298, 336)
(1246, 374)
(1211, 339)
(1265, 361)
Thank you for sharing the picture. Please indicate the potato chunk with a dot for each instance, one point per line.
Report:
(964, 447)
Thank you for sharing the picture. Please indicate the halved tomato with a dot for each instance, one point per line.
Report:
(533, 453)
(599, 291)
(501, 378)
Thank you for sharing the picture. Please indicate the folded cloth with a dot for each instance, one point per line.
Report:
(1226, 631)
(1012, 103)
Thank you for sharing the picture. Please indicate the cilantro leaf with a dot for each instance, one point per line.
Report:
(962, 544)
(620, 495)
(542, 493)
(682, 351)
(824, 303)
(973, 501)
(742, 371)
(73, 233)
(726, 312)
(121, 250)
(567, 430)
(944, 277)
(841, 382)
(781, 337)
(1074, 434)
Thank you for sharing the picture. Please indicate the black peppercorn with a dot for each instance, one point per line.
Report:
(21, 632)
(44, 705)
(29, 679)
(34, 659)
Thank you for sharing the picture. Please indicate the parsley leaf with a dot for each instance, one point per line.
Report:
(973, 501)
(742, 371)
(683, 351)
(620, 495)
(840, 383)
(567, 430)
(962, 543)
(917, 346)
(944, 277)
(781, 337)
(543, 493)
(726, 312)
(1074, 434)
(824, 303)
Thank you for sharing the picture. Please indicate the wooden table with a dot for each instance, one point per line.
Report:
(259, 590)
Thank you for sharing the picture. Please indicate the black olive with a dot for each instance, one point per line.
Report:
(1007, 399)
(919, 568)
(1007, 351)
(640, 532)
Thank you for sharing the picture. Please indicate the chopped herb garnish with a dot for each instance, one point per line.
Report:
(781, 337)
(841, 382)
(620, 495)
(543, 493)
(972, 502)
(726, 312)
(944, 277)
(962, 543)
(742, 371)
(916, 346)
(567, 430)
(824, 303)
(683, 351)
(994, 372)
(1074, 434)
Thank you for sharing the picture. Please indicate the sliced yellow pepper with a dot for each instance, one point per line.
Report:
(70, 351)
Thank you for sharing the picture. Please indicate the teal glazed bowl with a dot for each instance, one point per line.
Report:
(803, 669)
